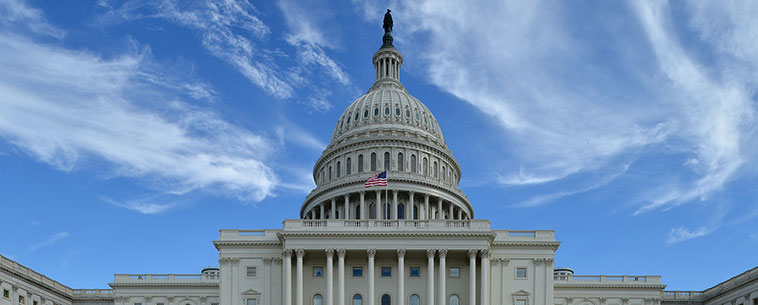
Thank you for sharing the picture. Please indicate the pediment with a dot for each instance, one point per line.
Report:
(251, 292)
(521, 293)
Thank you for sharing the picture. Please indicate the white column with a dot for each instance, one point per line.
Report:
(409, 207)
(394, 205)
(450, 210)
(299, 277)
(460, 214)
(287, 270)
(341, 277)
(371, 253)
(429, 277)
(485, 294)
(549, 280)
(329, 277)
(439, 209)
(321, 211)
(364, 211)
(427, 213)
(472, 277)
(443, 277)
(400, 276)
(267, 261)
(379, 205)
(333, 211)
(346, 207)
(539, 289)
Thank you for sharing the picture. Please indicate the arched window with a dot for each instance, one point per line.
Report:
(415, 300)
(357, 299)
(356, 117)
(360, 163)
(426, 167)
(413, 164)
(454, 300)
(318, 300)
(349, 166)
(376, 111)
(372, 211)
(386, 161)
(434, 169)
(365, 113)
(386, 110)
(400, 165)
(339, 169)
(400, 211)
(330, 172)
(373, 162)
(443, 173)
(386, 299)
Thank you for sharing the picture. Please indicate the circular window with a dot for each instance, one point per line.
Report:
(376, 111)
(407, 113)
(397, 111)
(386, 110)
(365, 113)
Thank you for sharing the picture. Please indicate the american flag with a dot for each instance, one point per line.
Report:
(379, 179)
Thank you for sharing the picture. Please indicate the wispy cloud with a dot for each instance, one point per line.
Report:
(53, 239)
(681, 234)
(141, 206)
(65, 107)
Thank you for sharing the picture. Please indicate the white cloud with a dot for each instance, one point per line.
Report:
(141, 206)
(681, 234)
(53, 239)
(66, 107)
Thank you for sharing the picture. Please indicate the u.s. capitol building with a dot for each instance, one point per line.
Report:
(414, 242)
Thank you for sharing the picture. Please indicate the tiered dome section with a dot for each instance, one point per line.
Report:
(387, 129)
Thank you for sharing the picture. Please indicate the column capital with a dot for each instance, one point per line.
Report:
(472, 253)
(329, 253)
(430, 253)
(549, 261)
(287, 253)
(341, 253)
(505, 261)
(539, 261)
(426, 196)
(371, 253)
(379, 192)
(400, 253)
(442, 253)
(346, 195)
(394, 192)
(278, 260)
(484, 253)
(362, 192)
(411, 192)
(268, 260)
(334, 199)
(300, 253)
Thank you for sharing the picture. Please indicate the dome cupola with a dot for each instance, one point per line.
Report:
(387, 129)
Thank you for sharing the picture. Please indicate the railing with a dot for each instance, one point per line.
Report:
(93, 293)
(120, 278)
(682, 295)
(382, 225)
(632, 279)
(34, 275)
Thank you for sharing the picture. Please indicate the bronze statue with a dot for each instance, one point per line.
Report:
(387, 22)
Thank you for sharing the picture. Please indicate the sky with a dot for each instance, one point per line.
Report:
(132, 131)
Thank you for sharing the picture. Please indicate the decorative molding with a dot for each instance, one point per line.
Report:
(484, 253)
(300, 253)
(287, 253)
(549, 261)
(539, 261)
(371, 253)
(401, 253)
(341, 253)
(329, 253)
(267, 260)
(244, 244)
(472, 253)
(430, 253)
(278, 260)
(505, 261)
(442, 253)
(527, 244)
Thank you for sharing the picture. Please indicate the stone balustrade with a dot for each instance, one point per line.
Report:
(608, 279)
(163, 278)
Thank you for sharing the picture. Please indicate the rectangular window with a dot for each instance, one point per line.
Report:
(137, 303)
(35, 303)
(160, 304)
(6, 293)
(21, 299)
(318, 271)
(357, 271)
(520, 273)
(520, 302)
(386, 271)
(455, 272)
(415, 272)
(252, 271)
(252, 301)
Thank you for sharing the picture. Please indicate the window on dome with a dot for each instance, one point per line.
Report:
(373, 162)
(376, 111)
(434, 170)
(360, 163)
(413, 163)
(400, 161)
(386, 161)
(424, 119)
(356, 117)
(365, 113)
(348, 166)
(342, 123)
(339, 169)
(397, 111)
(348, 120)
(372, 211)
(426, 167)
(417, 116)
(358, 212)
(407, 113)
(330, 173)
(386, 110)
(415, 212)
(443, 172)
(400, 211)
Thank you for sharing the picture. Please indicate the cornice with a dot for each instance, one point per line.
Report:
(338, 234)
(178, 285)
(611, 286)
(527, 244)
(244, 243)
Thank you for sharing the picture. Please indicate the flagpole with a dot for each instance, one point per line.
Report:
(386, 196)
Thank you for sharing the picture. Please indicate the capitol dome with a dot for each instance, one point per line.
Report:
(387, 129)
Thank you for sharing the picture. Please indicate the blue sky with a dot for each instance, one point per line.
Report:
(131, 131)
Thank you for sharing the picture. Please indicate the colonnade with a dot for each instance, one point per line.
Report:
(431, 254)
(365, 207)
